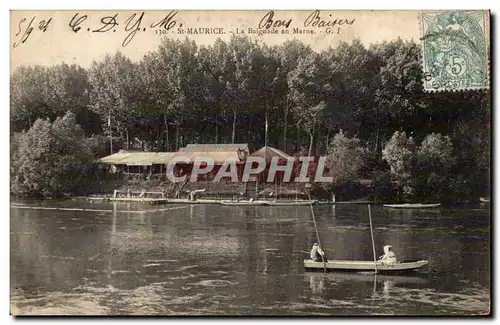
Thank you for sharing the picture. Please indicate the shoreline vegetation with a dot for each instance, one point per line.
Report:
(363, 107)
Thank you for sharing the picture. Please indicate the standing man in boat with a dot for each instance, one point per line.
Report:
(389, 257)
(317, 254)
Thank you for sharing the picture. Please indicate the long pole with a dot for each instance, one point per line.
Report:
(110, 133)
(317, 233)
(265, 136)
(373, 240)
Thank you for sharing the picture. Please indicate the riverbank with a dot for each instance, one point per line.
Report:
(159, 190)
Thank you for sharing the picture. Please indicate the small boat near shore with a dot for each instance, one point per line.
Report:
(413, 206)
(359, 266)
(242, 203)
(484, 199)
(290, 203)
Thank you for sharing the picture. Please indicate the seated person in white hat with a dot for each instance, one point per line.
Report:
(389, 257)
(317, 254)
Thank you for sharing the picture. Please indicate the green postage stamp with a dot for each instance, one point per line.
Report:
(455, 48)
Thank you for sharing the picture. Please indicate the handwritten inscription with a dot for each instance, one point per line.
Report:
(133, 24)
(316, 20)
(167, 23)
(268, 22)
(25, 32)
(327, 24)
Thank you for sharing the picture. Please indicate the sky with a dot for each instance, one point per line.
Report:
(52, 39)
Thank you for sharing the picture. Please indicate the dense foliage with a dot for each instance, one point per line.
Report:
(345, 158)
(50, 159)
(230, 91)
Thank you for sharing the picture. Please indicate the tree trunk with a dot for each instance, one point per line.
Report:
(234, 126)
(166, 131)
(327, 142)
(216, 129)
(249, 134)
(265, 135)
(377, 131)
(285, 127)
(311, 138)
(150, 140)
(317, 146)
(111, 140)
(298, 138)
(193, 135)
(177, 138)
(126, 134)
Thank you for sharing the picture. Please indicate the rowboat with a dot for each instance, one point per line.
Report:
(242, 203)
(290, 203)
(360, 266)
(385, 264)
(484, 199)
(412, 206)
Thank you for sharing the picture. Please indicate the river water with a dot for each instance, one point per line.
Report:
(134, 259)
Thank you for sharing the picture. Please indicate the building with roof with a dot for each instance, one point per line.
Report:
(217, 157)
(138, 162)
(268, 154)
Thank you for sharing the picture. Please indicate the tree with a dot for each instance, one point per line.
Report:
(397, 155)
(431, 165)
(437, 149)
(352, 73)
(52, 158)
(308, 87)
(41, 92)
(345, 157)
(290, 53)
(398, 100)
(115, 90)
(238, 92)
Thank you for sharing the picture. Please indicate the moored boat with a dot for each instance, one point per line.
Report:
(290, 203)
(359, 266)
(484, 199)
(413, 206)
(242, 203)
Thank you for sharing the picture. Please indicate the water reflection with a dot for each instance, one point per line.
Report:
(317, 283)
(388, 284)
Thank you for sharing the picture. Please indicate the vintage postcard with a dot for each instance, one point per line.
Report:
(250, 163)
